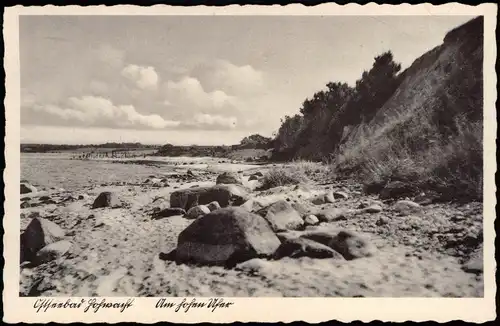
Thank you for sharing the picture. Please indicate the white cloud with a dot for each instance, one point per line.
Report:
(27, 99)
(219, 95)
(232, 79)
(189, 94)
(99, 111)
(143, 77)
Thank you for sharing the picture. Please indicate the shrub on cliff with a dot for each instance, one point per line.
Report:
(283, 176)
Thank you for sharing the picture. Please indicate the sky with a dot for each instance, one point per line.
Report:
(207, 80)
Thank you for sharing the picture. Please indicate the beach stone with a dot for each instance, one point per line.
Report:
(332, 214)
(283, 236)
(302, 247)
(253, 177)
(374, 208)
(168, 212)
(27, 188)
(39, 286)
(349, 244)
(367, 203)
(475, 263)
(251, 205)
(323, 199)
(197, 211)
(229, 178)
(406, 206)
(225, 195)
(39, 233)
(340, 195)
(383, 220)
(304, 208)
(226, 236)
(255, 266)
(311, 220)
(106, 199)
(53, 251)
(282, 216)
(258, 174)
(50, 201)
(396, 189)
(213, 206)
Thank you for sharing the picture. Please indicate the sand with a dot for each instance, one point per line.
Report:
(116, 251)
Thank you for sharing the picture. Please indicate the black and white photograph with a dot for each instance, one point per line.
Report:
(226, 156)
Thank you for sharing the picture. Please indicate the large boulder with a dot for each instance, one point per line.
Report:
(349, 244)
(38, 234)
(302, 247)
(27, 188)
(229, 178)
(225, 195)
(106, 199)
(282, 216)
(226, 236)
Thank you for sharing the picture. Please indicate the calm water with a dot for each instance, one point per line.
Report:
(59, 171)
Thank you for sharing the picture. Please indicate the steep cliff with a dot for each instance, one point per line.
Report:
(428, 131)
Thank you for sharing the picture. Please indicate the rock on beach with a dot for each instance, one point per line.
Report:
(225, 195)
(226, 236)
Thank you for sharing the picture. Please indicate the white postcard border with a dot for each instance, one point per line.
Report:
(17, 309)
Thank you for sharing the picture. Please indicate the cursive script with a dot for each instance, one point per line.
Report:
(93, 305)
(46, 304)
(186, 305)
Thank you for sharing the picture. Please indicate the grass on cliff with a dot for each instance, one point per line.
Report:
(292, 174)
(451, 165)
(429, 134)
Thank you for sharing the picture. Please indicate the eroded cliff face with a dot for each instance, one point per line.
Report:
(436, 110)
(438, 96)
(440, 85)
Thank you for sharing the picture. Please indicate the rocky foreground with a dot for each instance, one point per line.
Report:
(206, 234)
